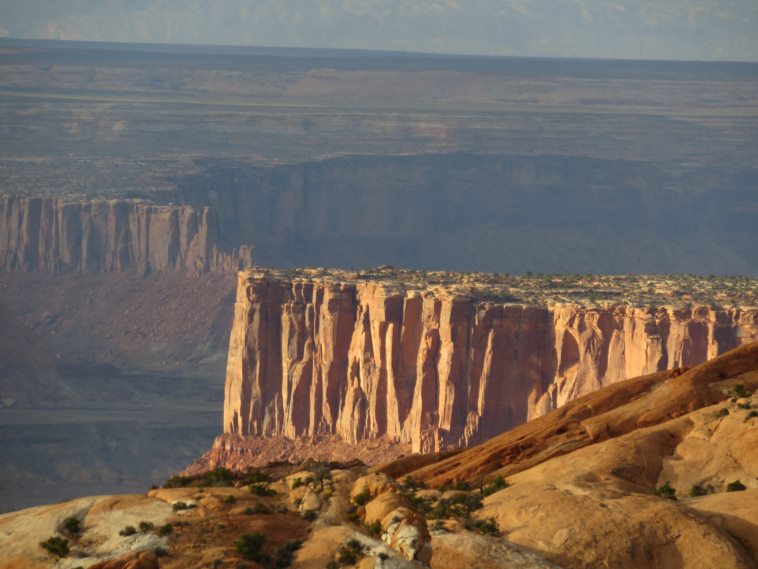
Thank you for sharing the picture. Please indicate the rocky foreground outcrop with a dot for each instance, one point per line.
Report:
(104, 236)
(438, 367)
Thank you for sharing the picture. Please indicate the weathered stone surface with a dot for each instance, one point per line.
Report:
(104, 236)
(438, 369)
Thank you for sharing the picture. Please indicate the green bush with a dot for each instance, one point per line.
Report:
(459, 485)
(752, 414)
(127, 531)
(255, 477)
(145, 526)
(177, 482)
(249, 546)
(722, 412)
(698, 490)
(666, 491)
(349, 553)
(262, 489)
(56, 545)
(72, 526)
(411, 484)
(286, 554)
(497, 484)
(363, 498)
(218, 477)
(740, 391)
(166, 529)
(179, 506)
(374, 529)
(735, 486)
(459, 506)
(488, 526)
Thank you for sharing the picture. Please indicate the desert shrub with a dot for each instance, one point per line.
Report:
(419, 504)
(374, 529)
(411, 484)
(488, 526)
(698, 490)
(160, 552)
(497, 484)
(127, 531)
(256, 477)
(666, 491)
(218, 477)
(363, 498)
(229, 499)
(310, 515)
(740, 391)
(177, 482)
(349, 553)
(259, 509)
(286, 554)
(179, 506)
(459, 506)
(352, 515)
(56, 545)
(735, 486)
(458, 485)
(722, 412)
(262, 489)
(249, 546)
(165, 530)
(145, 526)
(297, 483)
(72, 526)
(744, 405)
(321, 473)
(752, 414)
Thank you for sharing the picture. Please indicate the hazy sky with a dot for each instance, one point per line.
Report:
(645, 29)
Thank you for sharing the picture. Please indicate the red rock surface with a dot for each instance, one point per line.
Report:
(437, 369)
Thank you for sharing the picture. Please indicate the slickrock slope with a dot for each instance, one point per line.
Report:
(583, 478)
(442, 361)
(103, 236)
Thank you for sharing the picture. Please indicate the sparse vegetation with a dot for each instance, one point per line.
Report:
(666, 491)
(56, 545)
(160, 552)
(218, 477)
(488, 526)
(321, 473)
(166, 529)
(374, 529)
(259, 509)
(497, 484)
(249, 546)
(286, 554)
(262, 489)
(411, 484)
(363, 498)
(145, 526)
(350, 553)
(723, 412)
(256, 477)
(459, 506)
(698, 490)
(458, 485)
(229, 499)
(179, 506)
(178, 482)
(127, 531)
(736, 486)
(740, 391)
(72, 526)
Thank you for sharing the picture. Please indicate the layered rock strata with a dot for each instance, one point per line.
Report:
(103, 236)
(437, 368)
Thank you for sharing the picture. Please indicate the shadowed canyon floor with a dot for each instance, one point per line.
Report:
(659, 471)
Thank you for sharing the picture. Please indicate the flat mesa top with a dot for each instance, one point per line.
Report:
(676, 290)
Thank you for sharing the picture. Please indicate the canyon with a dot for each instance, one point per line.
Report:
(434, 362)
(55, 235)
